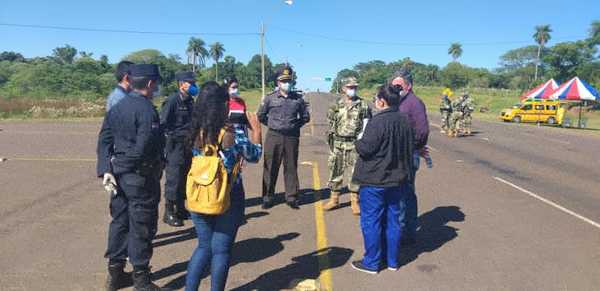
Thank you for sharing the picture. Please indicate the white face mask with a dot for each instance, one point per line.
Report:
(285, 87)
(234, 92)
(351, 92)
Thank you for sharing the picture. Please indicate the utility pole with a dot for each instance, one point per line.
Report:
(262, 56)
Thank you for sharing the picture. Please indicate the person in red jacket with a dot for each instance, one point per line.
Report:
(237, 105)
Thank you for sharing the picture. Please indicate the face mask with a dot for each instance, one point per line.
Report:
(192, 90)
(351, 92)
(234, 92)
(285, 87)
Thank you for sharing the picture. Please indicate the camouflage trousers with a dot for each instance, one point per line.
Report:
(341, 163)
(456, 121)
(467, 121)
(446, 120)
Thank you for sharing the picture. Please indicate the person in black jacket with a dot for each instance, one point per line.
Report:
(176, 120)
(130, 148)
(384, 172)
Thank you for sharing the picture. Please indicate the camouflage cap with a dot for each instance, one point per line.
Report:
(350, 82)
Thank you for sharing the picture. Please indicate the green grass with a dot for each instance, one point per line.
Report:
(493, 99)
(252, 98)
(72, 108)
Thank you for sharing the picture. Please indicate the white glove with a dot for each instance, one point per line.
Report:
(110, 183)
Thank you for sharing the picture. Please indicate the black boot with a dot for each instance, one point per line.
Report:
(117, 278)
(171, 217)
(142, 282)
(182, 212)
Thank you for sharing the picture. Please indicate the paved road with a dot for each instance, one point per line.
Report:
(511, 208)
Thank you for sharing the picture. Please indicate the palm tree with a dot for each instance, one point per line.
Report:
(216, 52)
(196, 48)
(455, 51)
(541, 36)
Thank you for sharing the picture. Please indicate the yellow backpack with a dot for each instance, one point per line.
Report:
(208, 185)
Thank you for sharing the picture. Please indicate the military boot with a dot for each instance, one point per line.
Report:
(142, 282)
(334, 201)
(117, 278)
(171, 218)
(354, 203)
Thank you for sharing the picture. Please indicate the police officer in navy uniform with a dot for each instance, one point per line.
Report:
(176, 119)
(130, 149)
(284, 111)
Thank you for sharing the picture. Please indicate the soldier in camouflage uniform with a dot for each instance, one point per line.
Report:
(456, 117)
(468, 108)
(446, 111)
(347, 118)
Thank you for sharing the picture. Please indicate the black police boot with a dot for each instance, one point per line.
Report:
(142, 282)
(182, 213)
(117, 278)
(171, 217)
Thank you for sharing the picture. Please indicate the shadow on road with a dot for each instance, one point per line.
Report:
(433, 232)
(247, 251)
(306, 196)
(174, 237)
(301, 268)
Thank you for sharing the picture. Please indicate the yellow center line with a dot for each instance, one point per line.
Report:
(324, 263)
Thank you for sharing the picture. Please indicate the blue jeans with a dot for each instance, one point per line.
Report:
(382, 221)
(412, 211)
(216, 235)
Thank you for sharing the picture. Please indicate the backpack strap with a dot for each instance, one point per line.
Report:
(213, 149)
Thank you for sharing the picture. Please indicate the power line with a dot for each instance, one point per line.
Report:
(371, 42)
(71, 28)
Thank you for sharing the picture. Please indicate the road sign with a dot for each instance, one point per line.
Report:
(327, 79)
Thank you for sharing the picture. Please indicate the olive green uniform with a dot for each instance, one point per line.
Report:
(346, 121)
(446, 111)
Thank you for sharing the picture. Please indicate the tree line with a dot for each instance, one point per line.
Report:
(520, 68)
(73, 74)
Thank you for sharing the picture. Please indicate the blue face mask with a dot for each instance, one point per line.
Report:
(193, 90)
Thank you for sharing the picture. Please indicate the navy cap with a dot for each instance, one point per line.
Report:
(185, 76)
(145, 70)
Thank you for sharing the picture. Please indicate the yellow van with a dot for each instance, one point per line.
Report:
(536, 111)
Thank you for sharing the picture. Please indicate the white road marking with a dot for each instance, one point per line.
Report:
(485, 138)
(549, 202)
(435, 125)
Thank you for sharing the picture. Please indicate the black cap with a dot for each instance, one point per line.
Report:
(145, 70)
(185, 76)
(285, 74)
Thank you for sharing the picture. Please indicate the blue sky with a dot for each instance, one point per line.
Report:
(421, 30)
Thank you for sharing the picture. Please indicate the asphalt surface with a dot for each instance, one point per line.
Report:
(514, 207)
